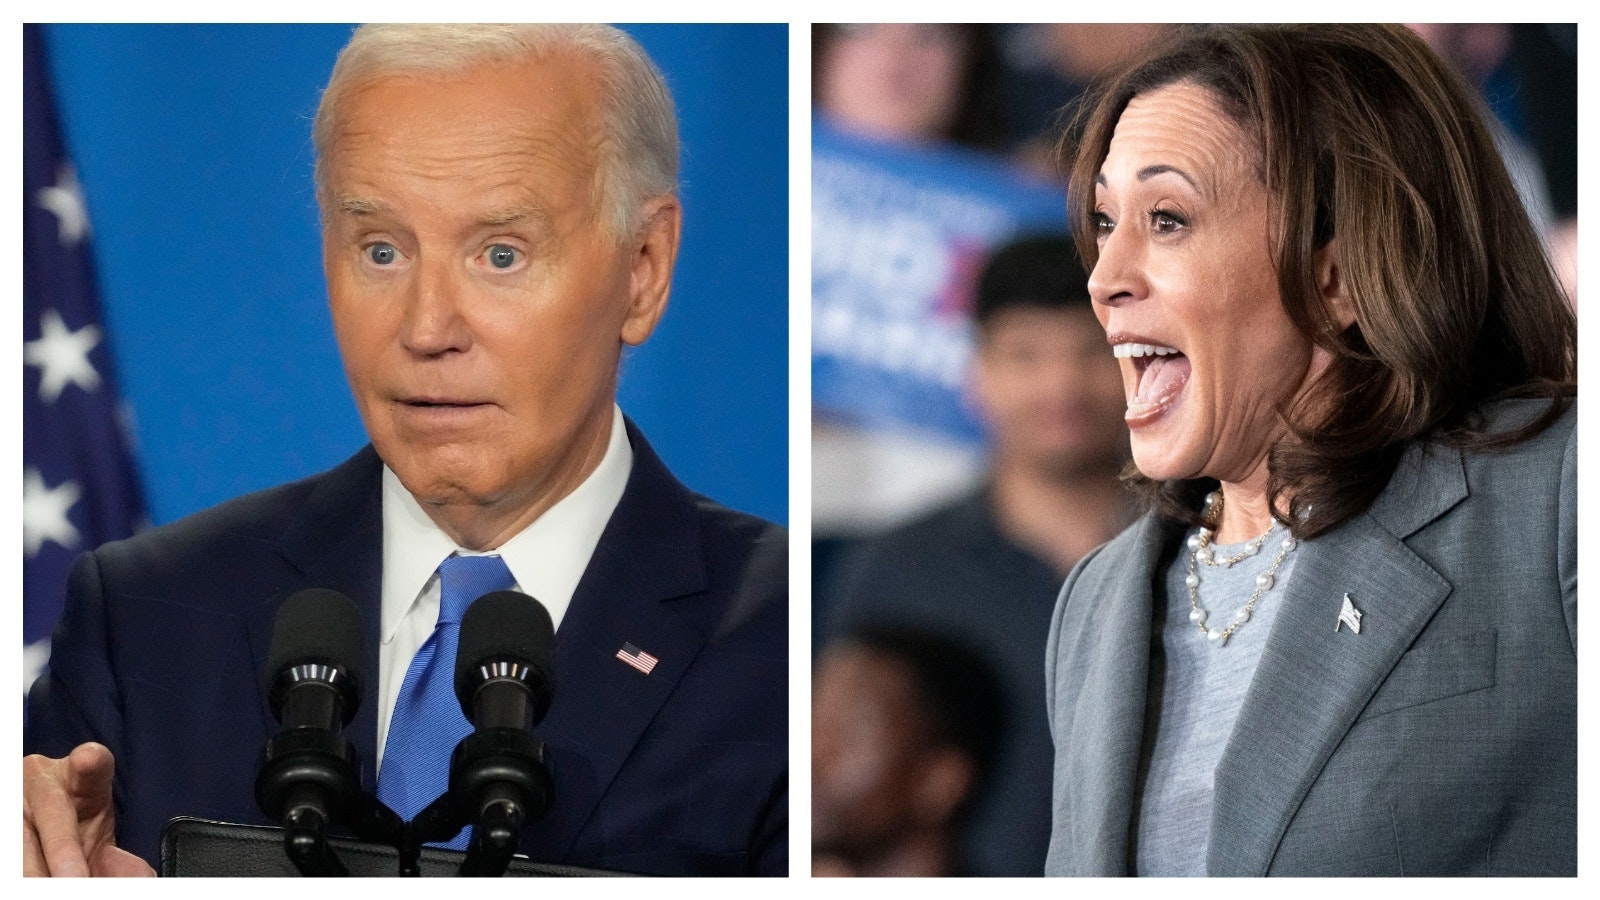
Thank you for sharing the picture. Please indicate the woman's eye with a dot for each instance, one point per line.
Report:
(382, 253)
(1165, 223)
(502, 256)
(1101, 223)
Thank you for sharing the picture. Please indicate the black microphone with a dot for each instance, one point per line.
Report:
(309, 777)
(315, 661)
(504, 680)
(505, 661)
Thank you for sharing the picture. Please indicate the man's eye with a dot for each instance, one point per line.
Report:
(502, 256)
(382, 253)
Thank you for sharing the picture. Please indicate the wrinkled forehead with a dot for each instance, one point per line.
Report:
(545, 111)
(1181, 126)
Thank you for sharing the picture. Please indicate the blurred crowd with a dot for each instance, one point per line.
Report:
(1003, 88)
(959, 474)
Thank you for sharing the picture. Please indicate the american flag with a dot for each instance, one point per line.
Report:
(637, 658)
(79, 489)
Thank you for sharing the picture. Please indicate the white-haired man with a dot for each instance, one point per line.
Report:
(499, 220)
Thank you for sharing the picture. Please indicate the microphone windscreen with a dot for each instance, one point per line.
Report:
(503, 626)
(321, 626)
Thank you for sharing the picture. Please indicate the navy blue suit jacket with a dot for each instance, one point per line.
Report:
(682, 771)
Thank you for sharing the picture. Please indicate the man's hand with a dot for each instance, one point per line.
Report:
(67, 822)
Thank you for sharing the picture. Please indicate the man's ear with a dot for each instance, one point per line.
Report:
(1333, 286)
(947, 777)
(655, 250)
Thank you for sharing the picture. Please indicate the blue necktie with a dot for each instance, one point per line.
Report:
(427, 722)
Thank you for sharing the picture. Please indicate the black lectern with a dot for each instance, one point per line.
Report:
(203, 848)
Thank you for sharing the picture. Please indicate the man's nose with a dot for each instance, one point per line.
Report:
(435, 321)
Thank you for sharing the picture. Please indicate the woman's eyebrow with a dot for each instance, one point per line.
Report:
(1149, 172)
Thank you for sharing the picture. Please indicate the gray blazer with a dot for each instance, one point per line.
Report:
(1440, 740)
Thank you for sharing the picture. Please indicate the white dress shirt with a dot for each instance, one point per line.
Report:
(547, 559)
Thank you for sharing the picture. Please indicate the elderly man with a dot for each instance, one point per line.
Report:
(499, 219)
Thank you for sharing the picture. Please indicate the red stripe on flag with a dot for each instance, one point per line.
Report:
(639, 659)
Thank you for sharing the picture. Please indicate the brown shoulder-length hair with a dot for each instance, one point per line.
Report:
(1364, 134)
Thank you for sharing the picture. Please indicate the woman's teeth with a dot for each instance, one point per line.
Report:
(1134, 351)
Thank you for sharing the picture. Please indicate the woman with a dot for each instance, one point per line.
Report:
(1335, 321)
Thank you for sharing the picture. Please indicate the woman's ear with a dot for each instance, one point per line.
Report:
(1333, 287)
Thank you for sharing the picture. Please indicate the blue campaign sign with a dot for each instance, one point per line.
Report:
(899, 236)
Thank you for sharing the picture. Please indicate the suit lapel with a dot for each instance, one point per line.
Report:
(1313, 681)
(648, 554)
(335, 541)
(1104, 726)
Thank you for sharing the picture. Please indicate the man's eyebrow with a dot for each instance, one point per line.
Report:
(495, 218)
(356, 206)
(511, 215)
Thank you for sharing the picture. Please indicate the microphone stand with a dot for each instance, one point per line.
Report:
(308, 780)
(498, 784)
(311, 778)
(494, 840)
(376, 823)
(438, 822)
(305, 840)
(500, 774)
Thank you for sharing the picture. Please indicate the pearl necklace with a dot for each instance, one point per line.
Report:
(1200, 551)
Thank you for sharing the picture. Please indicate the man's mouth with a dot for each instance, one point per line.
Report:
(438, 402)
(1161, 374)
(440, 412)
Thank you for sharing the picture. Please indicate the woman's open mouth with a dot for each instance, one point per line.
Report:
(1161, 374)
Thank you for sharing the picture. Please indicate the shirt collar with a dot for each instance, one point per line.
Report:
(547, 558)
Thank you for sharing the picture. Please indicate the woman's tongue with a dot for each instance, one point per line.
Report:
(1163, 377)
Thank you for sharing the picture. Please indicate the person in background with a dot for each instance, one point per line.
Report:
(1478, 51)
(909, 198)
(1526, 75)
(904, 727)
(986, 568)
(911, 82)
(1048, 66)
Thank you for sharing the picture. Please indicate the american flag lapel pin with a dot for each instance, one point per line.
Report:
(637, 658)
(1349, 615)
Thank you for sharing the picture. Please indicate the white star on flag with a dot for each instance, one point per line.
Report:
(44, 513)
(65, 200)
(62, 356)
(34, 658)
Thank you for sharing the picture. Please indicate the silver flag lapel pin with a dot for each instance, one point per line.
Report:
(1349, 615)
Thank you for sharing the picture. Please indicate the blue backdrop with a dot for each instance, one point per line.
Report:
(192, 145)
